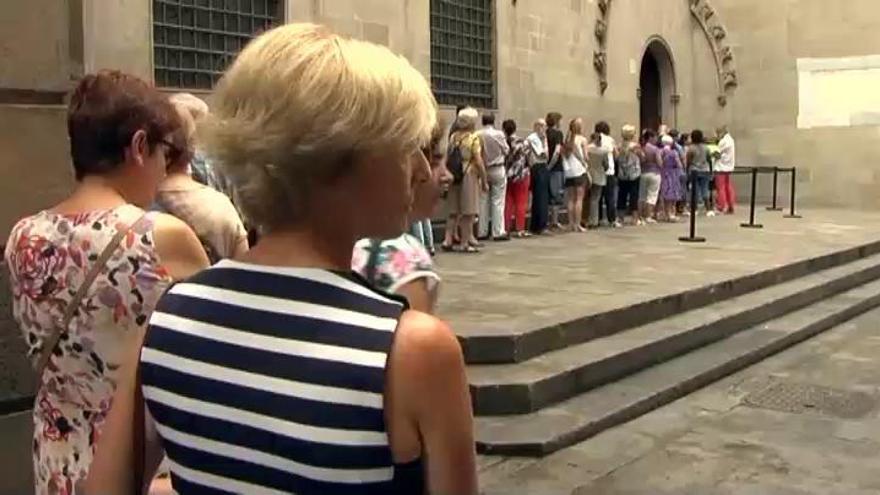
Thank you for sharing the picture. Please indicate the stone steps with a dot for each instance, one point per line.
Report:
(554, 427)
(519, 388)
(513, 343)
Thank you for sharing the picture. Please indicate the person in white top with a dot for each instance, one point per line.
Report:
(495, 149)
(538, 156)
(574, 165)
(609, 194)
(725, 199)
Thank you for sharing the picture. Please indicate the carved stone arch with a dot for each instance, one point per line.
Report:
(716, 35)
(710, 22)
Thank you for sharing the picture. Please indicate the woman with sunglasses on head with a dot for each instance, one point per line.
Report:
(86, 273)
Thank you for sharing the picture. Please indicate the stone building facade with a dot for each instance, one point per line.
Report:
(740, 62)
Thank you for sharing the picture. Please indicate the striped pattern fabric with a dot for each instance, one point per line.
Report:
(270, 380)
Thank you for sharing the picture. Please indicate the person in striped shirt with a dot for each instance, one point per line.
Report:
(281, 371)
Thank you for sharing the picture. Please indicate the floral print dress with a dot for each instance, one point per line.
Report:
(49, 255)
(396, 261)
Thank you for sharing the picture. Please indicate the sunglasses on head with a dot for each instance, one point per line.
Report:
(173, 152)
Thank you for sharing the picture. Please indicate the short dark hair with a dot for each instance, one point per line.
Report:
(106, 109)
(489, 118)
(674, 133)
(648, 134)
(697, 137)
(553, 119)
(602, 127)
(509, 126)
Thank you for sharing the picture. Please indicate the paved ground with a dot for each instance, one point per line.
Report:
(526, 282)
(713, 443)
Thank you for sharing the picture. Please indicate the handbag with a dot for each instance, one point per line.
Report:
(61, 328)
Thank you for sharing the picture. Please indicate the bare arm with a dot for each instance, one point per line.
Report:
(477, 158)
(428, 384)
(419, 296)
(111, 470)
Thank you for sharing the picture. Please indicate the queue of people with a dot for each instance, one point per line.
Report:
(309, 361)
(640, 180)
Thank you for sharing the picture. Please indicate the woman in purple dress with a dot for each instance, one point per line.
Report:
(670, 187)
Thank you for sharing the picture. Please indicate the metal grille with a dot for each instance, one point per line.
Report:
(799, 398)
(462, 49)
(195, 40)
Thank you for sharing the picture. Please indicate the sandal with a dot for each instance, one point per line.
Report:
(469, 250)
(447, 248)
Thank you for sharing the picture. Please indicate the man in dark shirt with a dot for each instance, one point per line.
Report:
(555, 138)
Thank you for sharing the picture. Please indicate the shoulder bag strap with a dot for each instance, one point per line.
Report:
(52, 340)
(373, 261)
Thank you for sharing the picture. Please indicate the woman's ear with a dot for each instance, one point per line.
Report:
(138, 148)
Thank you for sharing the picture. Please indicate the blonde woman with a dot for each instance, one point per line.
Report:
(281, 372)
(574, 152)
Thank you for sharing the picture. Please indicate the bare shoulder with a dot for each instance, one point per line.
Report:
(178, 246)
(426, 342)
(169, 231)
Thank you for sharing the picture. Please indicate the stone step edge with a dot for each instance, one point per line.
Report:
(497, 349)
(669, 394)
(520, 398)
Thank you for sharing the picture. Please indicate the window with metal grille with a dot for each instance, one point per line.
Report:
(195, 40)
(462, 52)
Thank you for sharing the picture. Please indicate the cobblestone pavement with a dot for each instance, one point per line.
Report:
(531, 281)
(724, 440)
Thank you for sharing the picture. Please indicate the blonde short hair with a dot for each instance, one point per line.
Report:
(299, 104)
(628, 132)
(467, 118)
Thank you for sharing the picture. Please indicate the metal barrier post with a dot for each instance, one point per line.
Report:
(792, 199)
(692, 233)
(775, 206)
(752, 224)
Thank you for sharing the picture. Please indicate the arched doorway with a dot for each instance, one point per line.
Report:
(656, 86)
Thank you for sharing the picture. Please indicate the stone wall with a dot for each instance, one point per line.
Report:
(402, 25)
(545, 61)
(840, 164)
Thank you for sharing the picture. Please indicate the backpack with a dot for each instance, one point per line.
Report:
(628, 164)
(455, 161)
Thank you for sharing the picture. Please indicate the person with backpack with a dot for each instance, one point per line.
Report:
(629, 171)
(697, 161)
(518, 181)
(465, 162)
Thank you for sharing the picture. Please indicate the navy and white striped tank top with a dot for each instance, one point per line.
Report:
(270, 380)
